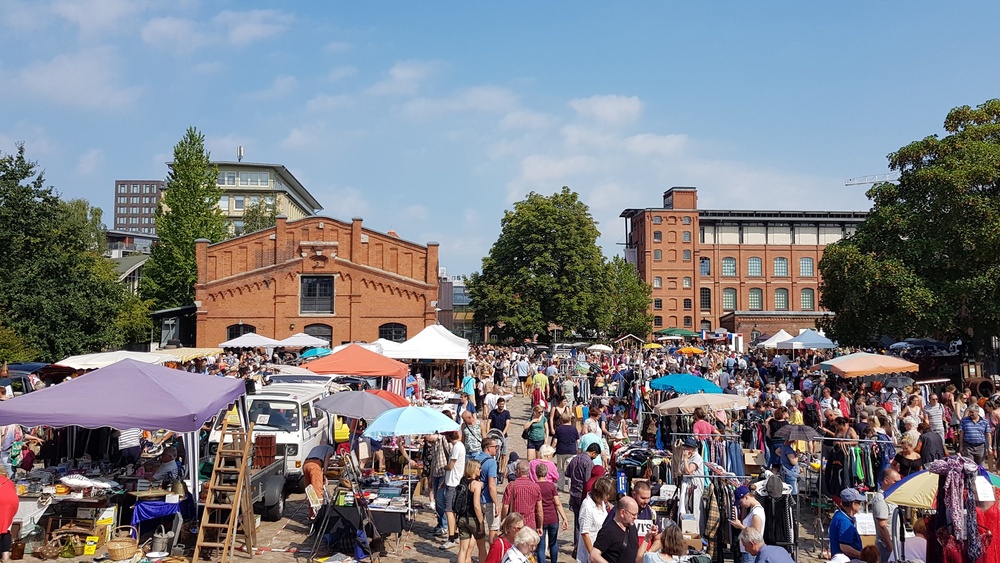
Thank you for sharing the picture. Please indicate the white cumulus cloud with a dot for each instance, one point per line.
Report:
(648, 144)
(485, 99)
(93, 16)
(404, 78)
(243, 28)
(322, 103)
(341, 72)
(610, 109)
(174, 34)
(87, 79)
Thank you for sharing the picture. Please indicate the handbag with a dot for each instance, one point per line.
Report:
(525, 433)
(49, 551)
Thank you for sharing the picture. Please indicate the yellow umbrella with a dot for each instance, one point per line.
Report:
(653, 346)
(691, 350)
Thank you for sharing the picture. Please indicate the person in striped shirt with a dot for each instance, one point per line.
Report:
(975, 435)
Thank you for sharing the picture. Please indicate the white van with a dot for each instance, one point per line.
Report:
(289, 413)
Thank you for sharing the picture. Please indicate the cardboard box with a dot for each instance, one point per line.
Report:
(689, 525)
(693, 541)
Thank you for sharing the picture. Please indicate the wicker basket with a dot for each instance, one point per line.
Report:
(122, 548)
(49, 551)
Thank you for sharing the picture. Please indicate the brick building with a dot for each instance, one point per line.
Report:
(135, 205)
(745, 271)
(325, 277)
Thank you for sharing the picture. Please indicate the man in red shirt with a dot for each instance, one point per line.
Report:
(524, 497)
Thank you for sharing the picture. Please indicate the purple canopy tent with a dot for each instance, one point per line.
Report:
(130, 394)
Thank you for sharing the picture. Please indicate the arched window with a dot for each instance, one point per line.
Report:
(238, 330)
(657, 236)
(688, 322)
(705, 299)
(706, 324)
(686, 283)
(781, 267)
(686, 236)
(756, 299)
(781, 299)
(687, 304)
(657, 304)
(686, 220)
(754, 268)
(394, 332)
(729, 299)
(729, 267)
(657, 255)
(806, 267)
(657, 321)
(807, 299)
(657, 282)
(657, 219)
(687, 255)
(704, 265)
(320, 330)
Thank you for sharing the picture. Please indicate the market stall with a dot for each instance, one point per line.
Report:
(437, 353)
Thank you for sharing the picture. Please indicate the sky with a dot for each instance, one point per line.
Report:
(432, 119)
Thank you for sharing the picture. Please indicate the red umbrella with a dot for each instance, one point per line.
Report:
(393, 398)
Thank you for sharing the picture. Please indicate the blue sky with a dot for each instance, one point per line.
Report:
(433, 118)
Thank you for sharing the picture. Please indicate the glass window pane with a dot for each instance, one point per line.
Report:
(686, 236)
(704, 266)
(244, 178)
(221, 180)
(806, 267)
(728, 266)
(780, 267)
(729, 299)
(657, 254)
(230, 178)
(264, 178)
(316, 294)
(658, 321)
(781, 299)
(224, 203)
(238, 202)
(687, 322)
(657, 236)
(253, 178)
(808, 299)
(657, 304)
(657, 282)
(687, 304)
(705, 299)
(687, 255)
(687, 282)
(754, 267)
(756, 299)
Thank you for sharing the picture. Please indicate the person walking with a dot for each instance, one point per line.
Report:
(975, 435)
(472, 433)
(490, 497)
(593, 513)
(500, 420)
(882, 512)
(618, 540)
(536, 429)
(552, 515)
(523, 495)
(453, 476)
(567, 442)
(439, 450)
(578, 472)
(469, 512)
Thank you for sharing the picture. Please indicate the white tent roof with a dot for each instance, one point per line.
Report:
(104, 359)
(376, 346)
(433, 343)
(772, 342)
(808, 339)
(387, 344)
(303, 340)
(251, 340)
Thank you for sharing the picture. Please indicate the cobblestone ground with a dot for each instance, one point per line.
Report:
(286, 541)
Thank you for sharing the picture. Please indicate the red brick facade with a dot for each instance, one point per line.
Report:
(262, 280)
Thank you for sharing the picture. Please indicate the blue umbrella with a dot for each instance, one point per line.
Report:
(409, 421)
(315, 353)
(684, 383)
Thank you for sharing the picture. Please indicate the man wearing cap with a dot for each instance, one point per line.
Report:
(692, 464)
(844, 536)
(752, 541)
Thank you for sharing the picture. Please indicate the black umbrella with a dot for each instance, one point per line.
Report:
(897, 381)
(796, 432)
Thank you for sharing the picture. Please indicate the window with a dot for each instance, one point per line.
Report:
(230, 178)
(224, 203)
(134, 209)
(133, 199)
(122, 199)
(687, 255)
(705, 299)
(658, 304)
(686, 236)
(657, 282)
(122, 189)
(121, 220)
(729, 267)
(236, 331)
(135, 188)
(781, 267)
(754, 268)
(254, 178)
(756, 299)
(657, 321)
(122, 210)
(657, 219)
(238, 227)
(706, 325)
(686, 220)
(238, 202)
(394, 332)
(244, 178)
(316, 294)
(264, 178)
(729, 299)
(269, 200)
(705, 266)
(657, 236)
(146, 188)
(686, 282)
(806, 267)
(657, 255)
(781, 299)
(687, 304)
(688, 322)
(254, 199)
(807, 299)
(320, 330)
(221, 180)
(145, 220)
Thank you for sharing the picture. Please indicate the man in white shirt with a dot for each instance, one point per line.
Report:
(783, 395)
(454, 472)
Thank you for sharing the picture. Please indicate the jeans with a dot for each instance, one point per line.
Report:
(437, 485)
(791, 477)
(574, 505)
(551, 531)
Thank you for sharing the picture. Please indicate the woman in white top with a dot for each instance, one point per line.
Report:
(593, 512)
(672, 547)
(525, 542)
(753, 517)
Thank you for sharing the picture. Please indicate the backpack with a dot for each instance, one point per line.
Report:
(463, 504)
(810, 413)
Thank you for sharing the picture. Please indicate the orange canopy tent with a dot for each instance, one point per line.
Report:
(358, 360)
(863, 363)
(390, 396)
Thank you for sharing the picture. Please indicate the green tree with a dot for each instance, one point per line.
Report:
(189, 211)
(544, 267)
(133, 323)
(86, 222)
(258, 216)
(13, 348)
(626, 310)
(927, 258)
(57, 294)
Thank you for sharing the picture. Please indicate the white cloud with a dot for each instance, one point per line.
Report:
(648, 144)
(610, 110)
(279, 88)
(337, 47)
(243, 28)
(223, 147)
(526, 119)
(88, 79)
(404, 78)
(93, 16)
(22, 15)
(485, 99)
(174, 34)
(576, 136)
(322, 103)
(301, 137)
(90, 162)
(341, 72)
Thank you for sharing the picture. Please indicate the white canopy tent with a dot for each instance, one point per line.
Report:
(104, 359)
(433, 343)
(772, 342)
(809, 339)
(303, 340)
(251, 340)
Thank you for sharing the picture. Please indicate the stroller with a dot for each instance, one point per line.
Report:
(497, 435)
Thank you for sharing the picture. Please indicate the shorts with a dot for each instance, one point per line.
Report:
(522, 378)
(535, 444)
(469, 528)
(449, 498)
(492, 523)
(5, 542)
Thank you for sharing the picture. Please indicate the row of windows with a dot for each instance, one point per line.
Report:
(138, 230)
(658, 322)
(136, 188)
(755, 267)
(135, 220)
(755, 300)
(245, 178)
(658, 236)
(135, 210)
(657, 220)
(240, 202)
(136, 199)
(395, 332)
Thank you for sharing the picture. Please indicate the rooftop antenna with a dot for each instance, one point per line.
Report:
(239, 153)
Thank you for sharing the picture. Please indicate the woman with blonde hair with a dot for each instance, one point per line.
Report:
(470, 522)
(509, 528)
(907, 460)
(525, 543)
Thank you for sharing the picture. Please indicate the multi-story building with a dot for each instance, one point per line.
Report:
(135, 205)
(748, 272)
(247, 183)
(454, 308)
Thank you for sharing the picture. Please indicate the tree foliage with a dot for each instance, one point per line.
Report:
(189, 211)
(626, 310)
(545, 267)
(57, 294)
(927, 258)
(13, 348)
(258, 216)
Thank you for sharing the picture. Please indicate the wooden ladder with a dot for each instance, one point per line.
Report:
(228, 506)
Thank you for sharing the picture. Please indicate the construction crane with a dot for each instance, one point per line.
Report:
(872, 179)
